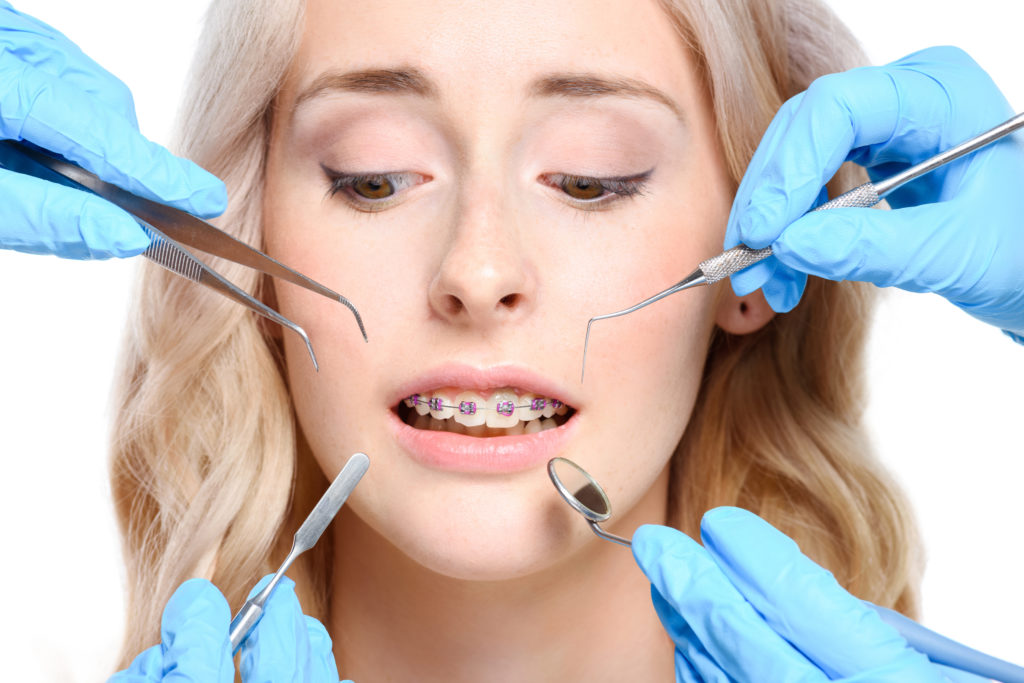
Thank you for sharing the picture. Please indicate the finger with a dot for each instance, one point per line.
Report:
(783, 286)
(754, 277)
(47, 49)
(323, 664)
(753, 177)
(41, 217)
(41, 109)
(728, 628)
(147, 667)
(194, 635)
(889, 248)
(685, 673)
(279, 648)
(900, 113)
(803, 603)
(693, 663)
(838, 113)
(784, 290)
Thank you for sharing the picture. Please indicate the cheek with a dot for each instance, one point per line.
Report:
(640, 261)
(643, 369)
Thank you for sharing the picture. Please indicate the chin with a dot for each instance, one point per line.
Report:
(484, 532)
(485, 557)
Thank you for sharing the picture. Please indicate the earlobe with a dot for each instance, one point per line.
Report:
(742, 314)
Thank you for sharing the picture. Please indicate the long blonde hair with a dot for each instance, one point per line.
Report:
(204, 424)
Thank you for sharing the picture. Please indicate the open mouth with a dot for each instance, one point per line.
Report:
(502, 412)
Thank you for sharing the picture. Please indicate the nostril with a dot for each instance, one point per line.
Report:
(455, 304)
(510, 300)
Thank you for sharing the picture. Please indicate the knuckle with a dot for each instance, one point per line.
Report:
(826, 88)
(122, 95)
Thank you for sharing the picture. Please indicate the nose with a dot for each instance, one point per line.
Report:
(485, 277)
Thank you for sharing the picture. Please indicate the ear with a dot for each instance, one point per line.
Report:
(742, 314)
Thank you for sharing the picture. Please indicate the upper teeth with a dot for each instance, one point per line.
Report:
(503, 408)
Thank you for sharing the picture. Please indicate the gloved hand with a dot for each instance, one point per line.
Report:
(749, 606)
(957, 231)
(194, 645)
(53, 95)
(285, 647)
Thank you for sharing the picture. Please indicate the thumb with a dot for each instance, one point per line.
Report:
(194, 635)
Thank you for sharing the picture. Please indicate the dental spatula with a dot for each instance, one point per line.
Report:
(305, 538)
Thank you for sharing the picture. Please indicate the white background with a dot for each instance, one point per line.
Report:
(945, 405)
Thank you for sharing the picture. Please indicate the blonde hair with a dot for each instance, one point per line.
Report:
(204, 425)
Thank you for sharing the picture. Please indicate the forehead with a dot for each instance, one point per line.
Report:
(488, 47)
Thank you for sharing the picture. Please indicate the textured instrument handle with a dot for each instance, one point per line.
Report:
(736, 259)
(732, 261)
(861, 197)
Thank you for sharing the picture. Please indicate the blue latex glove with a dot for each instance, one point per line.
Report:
(957, 231)
(285, 647)
(749, 606)
(53, 95)
(194, 645)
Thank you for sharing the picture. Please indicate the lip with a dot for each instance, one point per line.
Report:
(498, 454)
(474, 379)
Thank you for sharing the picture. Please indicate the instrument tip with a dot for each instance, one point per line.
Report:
(309, 346)
(359, 318)
(586, 341)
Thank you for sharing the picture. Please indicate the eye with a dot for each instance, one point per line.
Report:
(590, 193)
(578, 187)
(373, 187)
(370, 191)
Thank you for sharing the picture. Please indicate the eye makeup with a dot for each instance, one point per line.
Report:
(371, 191)
(591, 193)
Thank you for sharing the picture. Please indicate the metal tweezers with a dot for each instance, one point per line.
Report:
(169, 229)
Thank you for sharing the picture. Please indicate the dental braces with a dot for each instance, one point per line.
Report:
(506, 408)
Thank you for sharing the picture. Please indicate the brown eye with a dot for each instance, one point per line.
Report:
(579, 187)
(373, 187)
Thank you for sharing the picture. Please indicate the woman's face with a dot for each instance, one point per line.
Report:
(480, 179)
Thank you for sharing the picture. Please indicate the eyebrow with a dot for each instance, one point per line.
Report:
(412, 81)
(403, 81)
(590, 85)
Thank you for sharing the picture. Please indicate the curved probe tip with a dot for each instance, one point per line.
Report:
(586, 342)
(309, 347)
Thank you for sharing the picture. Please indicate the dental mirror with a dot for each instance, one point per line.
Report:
(584, 495)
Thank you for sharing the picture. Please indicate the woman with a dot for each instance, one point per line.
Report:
(479, 287)
(443, 201)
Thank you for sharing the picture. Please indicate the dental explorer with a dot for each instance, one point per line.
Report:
(864, 196)
(305, 538)
(591, 501)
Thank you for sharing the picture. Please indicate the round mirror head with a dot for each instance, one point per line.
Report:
(579, 489)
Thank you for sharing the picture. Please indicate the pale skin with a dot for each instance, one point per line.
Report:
(483, 254)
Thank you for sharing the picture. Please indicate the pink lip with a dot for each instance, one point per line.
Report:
(474, 379)
(500, 454)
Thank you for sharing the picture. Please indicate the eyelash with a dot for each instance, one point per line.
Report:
(344, 183)
(615, 188)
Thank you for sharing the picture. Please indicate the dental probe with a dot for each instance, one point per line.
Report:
(864, 196)
(305, 538)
